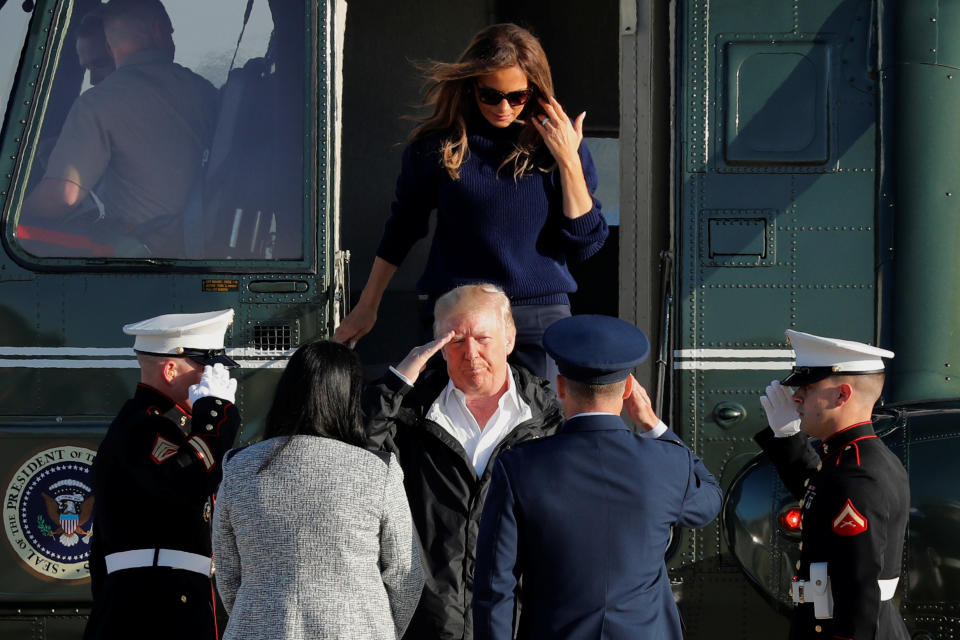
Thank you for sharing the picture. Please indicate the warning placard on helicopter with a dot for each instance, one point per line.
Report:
(220, 285)
(48, 512)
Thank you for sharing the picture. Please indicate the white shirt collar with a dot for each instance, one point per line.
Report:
(450, 411)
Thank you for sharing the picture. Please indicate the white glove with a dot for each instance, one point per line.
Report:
(780, 409)
(215, 382)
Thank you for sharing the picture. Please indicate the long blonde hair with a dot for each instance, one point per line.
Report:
(450, 92)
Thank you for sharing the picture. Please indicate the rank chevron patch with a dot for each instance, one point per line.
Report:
(849, 522)
(162, 449)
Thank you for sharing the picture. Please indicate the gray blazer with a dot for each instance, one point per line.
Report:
(318, 545)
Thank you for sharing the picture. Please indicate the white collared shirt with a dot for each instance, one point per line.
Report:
(450, 411)
(656, 432)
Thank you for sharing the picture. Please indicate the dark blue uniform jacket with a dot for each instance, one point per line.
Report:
(584, 518)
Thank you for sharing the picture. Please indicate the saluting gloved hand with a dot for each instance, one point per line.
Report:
(215, 382)
(780, 409)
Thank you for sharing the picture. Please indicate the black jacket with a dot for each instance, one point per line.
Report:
(154, 478)
(446, 497)
(854, 496)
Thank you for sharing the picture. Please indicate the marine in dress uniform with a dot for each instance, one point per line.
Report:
(853, 491)
(154, 478)
(583, 518)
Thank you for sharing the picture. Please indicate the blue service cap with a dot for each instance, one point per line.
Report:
(595, 349)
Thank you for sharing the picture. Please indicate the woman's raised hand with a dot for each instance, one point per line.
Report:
(561, 136)
(563, 139)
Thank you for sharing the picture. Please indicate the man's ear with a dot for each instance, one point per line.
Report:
(844, 393)
(561, 387)
(169, 371)
(628, 386)
(511, 341)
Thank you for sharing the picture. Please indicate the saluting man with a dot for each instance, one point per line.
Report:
(853, 490)
(583, 518)
(154, 478)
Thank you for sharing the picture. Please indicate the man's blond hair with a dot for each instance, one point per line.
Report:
(470, 297)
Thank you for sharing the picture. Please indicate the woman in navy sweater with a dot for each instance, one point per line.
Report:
(511, 181)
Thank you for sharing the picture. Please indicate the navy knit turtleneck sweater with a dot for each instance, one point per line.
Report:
(490, 228)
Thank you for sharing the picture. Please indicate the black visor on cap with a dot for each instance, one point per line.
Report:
(801, 376)
(200, 356)
(210, 357)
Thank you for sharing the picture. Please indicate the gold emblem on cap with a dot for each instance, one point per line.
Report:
(179, 350)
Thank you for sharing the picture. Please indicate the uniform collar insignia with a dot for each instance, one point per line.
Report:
(844, 436)
(163, 405)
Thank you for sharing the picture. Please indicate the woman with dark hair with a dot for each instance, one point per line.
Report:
(511, 181)
(312, 533)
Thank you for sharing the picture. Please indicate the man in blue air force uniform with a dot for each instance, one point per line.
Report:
(583, 518)
(853, 491)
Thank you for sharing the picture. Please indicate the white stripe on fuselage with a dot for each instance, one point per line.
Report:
(733, 359)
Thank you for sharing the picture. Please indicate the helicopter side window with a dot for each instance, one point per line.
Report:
(167, 137)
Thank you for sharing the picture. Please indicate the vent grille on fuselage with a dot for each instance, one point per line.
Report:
(272, 337)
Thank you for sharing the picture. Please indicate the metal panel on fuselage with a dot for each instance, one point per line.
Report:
(65, 365)
(776, 153)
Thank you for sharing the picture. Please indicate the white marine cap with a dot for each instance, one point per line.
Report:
(819, 357)
(198, 336)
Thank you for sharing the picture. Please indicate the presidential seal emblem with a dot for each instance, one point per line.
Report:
(48, 512)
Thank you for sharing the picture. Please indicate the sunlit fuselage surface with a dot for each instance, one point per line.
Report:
(176, 179)
(752, 161)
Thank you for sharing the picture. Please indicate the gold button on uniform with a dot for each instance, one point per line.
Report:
(819, 466)
(213, 414)
(183, 599)
(219, 402)
(818, 628)
(800, 546)
(798, 564)
(209, 427)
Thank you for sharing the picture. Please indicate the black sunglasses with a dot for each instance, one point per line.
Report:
(492, 97)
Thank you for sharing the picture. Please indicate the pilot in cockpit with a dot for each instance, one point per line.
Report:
(93, 54)
(130, 152)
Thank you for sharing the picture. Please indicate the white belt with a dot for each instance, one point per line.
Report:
(817, 590)
(888, 587)
(164, 558)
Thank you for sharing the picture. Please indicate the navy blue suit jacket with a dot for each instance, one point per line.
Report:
(584, 518)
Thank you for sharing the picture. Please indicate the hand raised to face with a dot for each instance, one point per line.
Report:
(412, 365)
(639, 407)
(561, 136)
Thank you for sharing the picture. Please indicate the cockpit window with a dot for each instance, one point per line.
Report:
(13, 31)
(173, 130)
